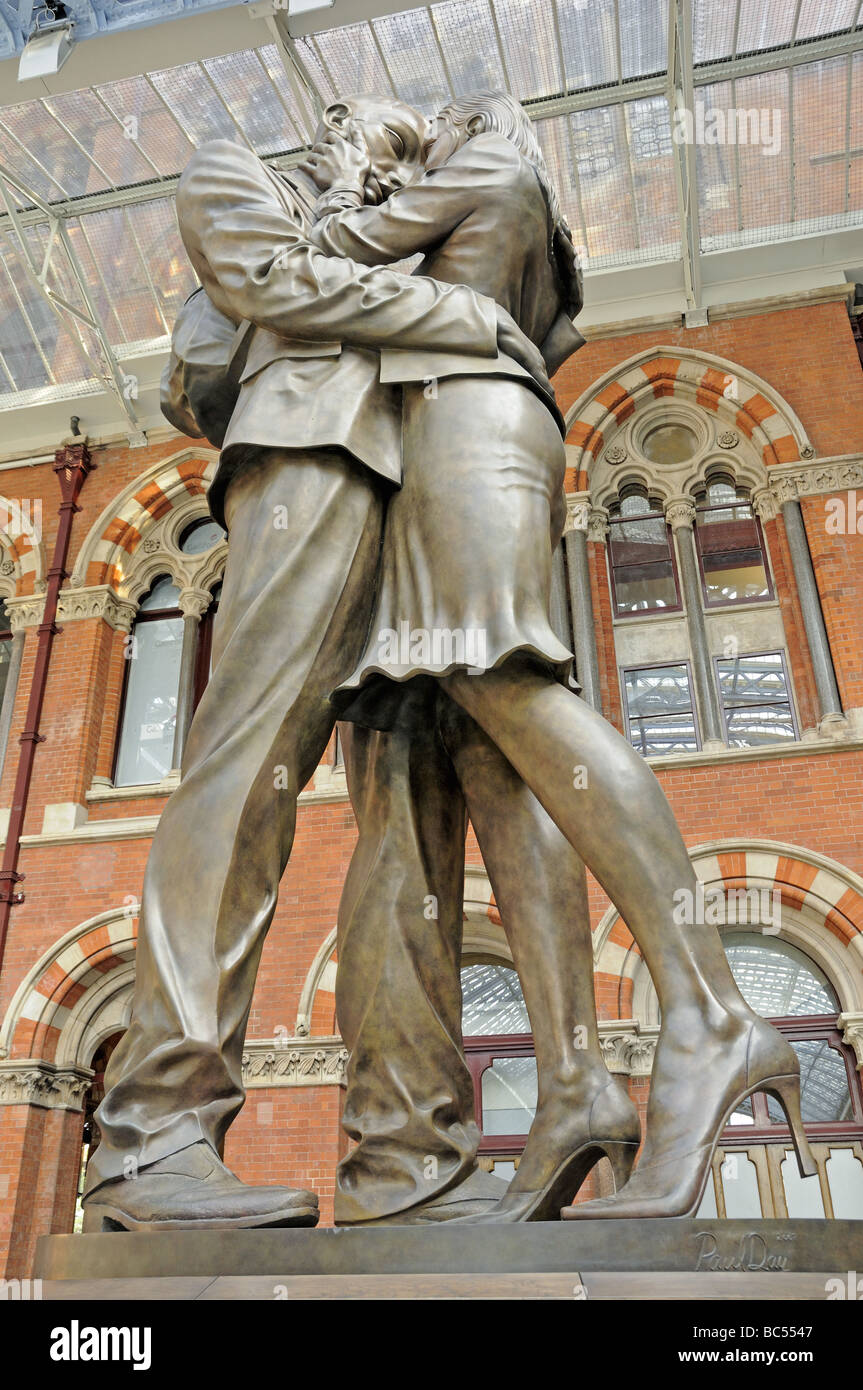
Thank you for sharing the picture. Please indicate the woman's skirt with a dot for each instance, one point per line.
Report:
(466, 561)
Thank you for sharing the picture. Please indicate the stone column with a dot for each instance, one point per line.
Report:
(582, 518)
(827, 691)
(559, 607)
(193, 605)
(680, 515)
(10, 691)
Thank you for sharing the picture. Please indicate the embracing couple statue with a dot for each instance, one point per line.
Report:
(403, 429)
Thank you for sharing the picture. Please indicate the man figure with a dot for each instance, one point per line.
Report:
(310, 451)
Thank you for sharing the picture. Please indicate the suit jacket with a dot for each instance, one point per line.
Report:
(311, 372)
(482, 220)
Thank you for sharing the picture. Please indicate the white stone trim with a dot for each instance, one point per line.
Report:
(35, 1082)
(298, 1061)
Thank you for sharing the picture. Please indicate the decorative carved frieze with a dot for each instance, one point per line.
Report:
(597, 528)
(97, 601)
(25, 612)
(294, 1062)
(34, 1082)
(789, 481)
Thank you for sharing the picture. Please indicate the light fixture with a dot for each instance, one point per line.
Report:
(50, 43)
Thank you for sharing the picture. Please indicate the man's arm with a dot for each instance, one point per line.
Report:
(256, 263)
(421, 216)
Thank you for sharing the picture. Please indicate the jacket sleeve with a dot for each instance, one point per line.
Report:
(419, 217)
(254, 259)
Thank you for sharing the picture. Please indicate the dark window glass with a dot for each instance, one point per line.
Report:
(730, 547)
(146, 743)
(755, 698)
(5, 647)
(201, 535)
(641, 555)
(660, 711)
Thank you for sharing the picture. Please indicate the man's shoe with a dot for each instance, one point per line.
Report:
(475, 1196)
(193, 1191)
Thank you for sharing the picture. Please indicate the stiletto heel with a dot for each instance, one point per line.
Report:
(786, 1089)
(673, 1173)
(621, 1156)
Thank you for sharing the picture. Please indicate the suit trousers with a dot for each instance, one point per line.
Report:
(305, 531)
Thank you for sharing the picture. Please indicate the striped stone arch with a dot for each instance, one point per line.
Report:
(78, 993)
(22, 554)
(822, 914)
(106, 557)
(741, 400)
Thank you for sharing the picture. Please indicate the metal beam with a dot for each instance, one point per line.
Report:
(681, 104)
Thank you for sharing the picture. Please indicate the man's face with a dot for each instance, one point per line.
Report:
(394, 136)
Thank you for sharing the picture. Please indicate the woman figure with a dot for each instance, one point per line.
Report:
(467, 556)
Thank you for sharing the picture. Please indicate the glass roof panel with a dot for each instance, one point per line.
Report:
(253, 102)
(653, 177)
(492, 1002)
(713, 29)
(820, 150)
(763, 158)
(352, 57)
(149, 123)
(116, 159)
(716, 175)
(534, 68)
(412, 55)
(825, 17)
(855, 135)
(764, 24)
(469, 45)
(590, 41)
(195, 104)
(643, 36)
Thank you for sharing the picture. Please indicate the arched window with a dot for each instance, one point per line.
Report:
(758, 1175)
(499, 1053)
(730, 546)
(149, 709)
(641, 556)
(200, 536)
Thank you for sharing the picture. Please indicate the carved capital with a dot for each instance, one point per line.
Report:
(597, 527)
(680, 511)
(96, 601)
(627, 1047)
(294, 1061)
(34, 1082)
(193, 603)
(578, 511)
(764, 503)
(851, 1028)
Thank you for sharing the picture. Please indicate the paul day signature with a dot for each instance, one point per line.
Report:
(750, 1253)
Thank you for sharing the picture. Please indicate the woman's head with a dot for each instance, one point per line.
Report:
(493, 112)
(482, 113)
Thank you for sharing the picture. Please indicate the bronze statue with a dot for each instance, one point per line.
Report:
(467, 547)
(328, 381)
(310, 448)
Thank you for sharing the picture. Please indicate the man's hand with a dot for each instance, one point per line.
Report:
(337, 162)
(513, 343)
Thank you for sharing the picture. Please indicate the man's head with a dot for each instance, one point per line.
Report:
(393, 134)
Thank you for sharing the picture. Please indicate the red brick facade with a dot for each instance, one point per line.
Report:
(808, 799)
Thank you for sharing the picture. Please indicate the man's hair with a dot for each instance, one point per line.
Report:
(505, 116)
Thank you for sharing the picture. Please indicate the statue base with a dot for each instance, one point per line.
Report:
(683, 1258)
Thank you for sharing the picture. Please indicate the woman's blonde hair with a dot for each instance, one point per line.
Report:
(503, 115)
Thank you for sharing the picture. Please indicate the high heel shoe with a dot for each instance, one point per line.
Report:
(552, 1169)
(672, 1182)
